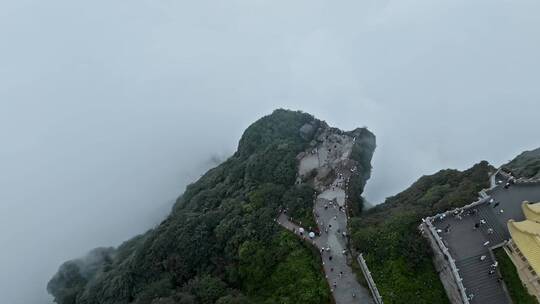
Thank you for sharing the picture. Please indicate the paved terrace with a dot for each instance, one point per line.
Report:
(469, 245)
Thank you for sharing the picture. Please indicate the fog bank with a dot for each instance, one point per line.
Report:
(109, 108)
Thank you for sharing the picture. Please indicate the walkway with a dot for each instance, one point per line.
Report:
(347, 284)
(467, 244)
(331, 160)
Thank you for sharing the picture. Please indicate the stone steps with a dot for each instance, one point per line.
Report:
(478, 281)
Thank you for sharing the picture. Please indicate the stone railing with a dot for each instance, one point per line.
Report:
(521, 180)
(527, 181)
(480, 201)
(492, 184)
(371, 283)
(484, 197)
(453, 267)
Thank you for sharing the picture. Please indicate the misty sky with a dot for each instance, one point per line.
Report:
(109, 108)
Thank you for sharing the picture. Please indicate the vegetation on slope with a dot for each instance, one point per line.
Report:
(362, 153)
(527, 164)
(398, 257)
(299, 201)
(518, 292)
(220, 243)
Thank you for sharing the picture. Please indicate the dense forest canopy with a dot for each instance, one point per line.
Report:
(527, 164)
(220, 243)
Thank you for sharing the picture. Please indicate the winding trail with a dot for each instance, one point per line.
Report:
(332, 155)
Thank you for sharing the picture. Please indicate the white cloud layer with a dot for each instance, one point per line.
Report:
(109, 108)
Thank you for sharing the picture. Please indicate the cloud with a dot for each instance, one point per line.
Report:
(109, 108)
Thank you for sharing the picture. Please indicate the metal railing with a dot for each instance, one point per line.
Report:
(371, 283)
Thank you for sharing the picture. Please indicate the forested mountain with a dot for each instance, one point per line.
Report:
(527, 164)
(220, 243)
(397, 255)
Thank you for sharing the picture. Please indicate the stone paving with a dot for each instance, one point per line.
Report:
(331, 156)
(470, 234)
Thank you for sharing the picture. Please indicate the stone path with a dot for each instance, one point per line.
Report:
(329, 208)
(347, 284)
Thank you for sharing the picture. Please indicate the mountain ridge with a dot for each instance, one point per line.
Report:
(220, 244)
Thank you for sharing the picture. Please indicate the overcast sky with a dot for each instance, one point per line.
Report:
(109, 108)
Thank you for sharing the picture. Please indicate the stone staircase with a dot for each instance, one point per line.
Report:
(478, 281)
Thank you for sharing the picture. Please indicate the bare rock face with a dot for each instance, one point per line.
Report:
(332, 165)
(325, 176)
(307, 130)
(334, 150)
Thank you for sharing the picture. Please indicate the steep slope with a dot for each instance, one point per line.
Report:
(398, 257)
(527, 164)
(220, 243)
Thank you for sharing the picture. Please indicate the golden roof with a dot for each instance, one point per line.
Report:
(531, 211)
(527, 226)
(526, 235)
